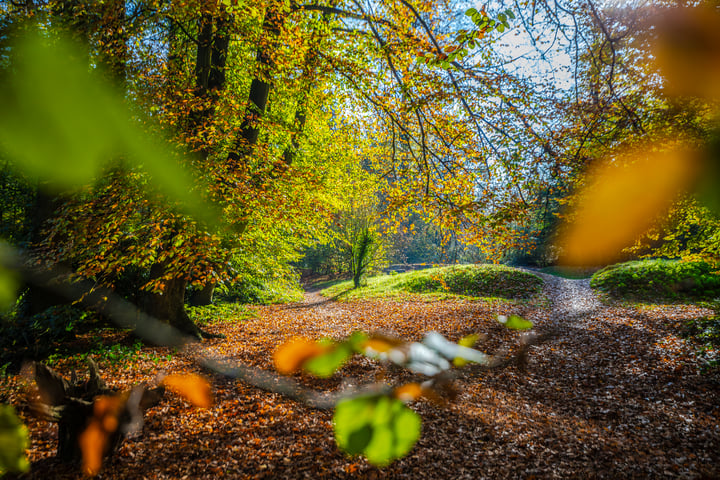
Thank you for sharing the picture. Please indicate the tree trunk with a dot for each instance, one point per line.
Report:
(204, 296)
(259, 88)
(38, 298)
(72, 406)
(169, 305)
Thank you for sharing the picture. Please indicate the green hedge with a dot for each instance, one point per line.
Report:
(659, 280)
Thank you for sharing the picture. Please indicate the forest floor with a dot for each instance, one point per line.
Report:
(617, 393)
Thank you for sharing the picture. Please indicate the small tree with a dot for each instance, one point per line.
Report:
(363, 253)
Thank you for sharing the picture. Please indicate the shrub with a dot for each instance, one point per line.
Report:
(37, 335)
(262, 288)
(479, 281)
(658, 279)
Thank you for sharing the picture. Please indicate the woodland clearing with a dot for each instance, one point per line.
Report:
(617, 394)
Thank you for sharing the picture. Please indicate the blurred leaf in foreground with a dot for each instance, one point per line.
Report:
(9, 283)
(13, 442)
(61, 125)
(194, 388)
(381, 428)
(291, 355)
(514, 322)
(687, 49)
(623, 199)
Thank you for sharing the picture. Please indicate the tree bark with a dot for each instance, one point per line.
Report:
(169, 305)
(259, 89)
(204, 296)
(72, 406)
(38, 298)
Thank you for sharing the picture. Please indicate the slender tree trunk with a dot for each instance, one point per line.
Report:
(259, 88)
(210, 79)
(38, 298)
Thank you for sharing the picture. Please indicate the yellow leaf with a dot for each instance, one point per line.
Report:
(622, 201)
(194, 388)
(291, 355)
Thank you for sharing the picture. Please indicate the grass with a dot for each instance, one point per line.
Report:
(220, 311)
(658, 280)
(495, 281)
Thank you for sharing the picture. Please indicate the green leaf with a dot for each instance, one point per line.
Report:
(357, 340)
(328, 363)
(500, 27)
(510, 14)
(13, 442)
(379, 427)
(471, 12)
(514, 322)
(61, 125)
(502, 17)
(8, 289)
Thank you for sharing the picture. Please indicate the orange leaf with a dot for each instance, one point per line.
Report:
(93, 441)
(381, 343)
(291, 355)
(194, 388)
(378, 345)
(408, 392)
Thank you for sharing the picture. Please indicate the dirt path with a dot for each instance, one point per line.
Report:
(568, 296)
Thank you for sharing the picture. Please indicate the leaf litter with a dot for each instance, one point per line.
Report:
(616, 394)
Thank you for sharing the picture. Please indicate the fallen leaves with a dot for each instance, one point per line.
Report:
(617, 394)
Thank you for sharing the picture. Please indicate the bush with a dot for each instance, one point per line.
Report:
(259, 288)
(38, 335)
(478, 281)
(659, 280)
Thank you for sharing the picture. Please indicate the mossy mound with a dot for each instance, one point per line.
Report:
(468, 280)
(659, 280)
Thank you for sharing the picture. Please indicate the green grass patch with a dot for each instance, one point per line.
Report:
(658, 281)
(262, 291)
(220, 311)
(445, 282)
